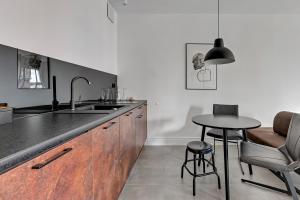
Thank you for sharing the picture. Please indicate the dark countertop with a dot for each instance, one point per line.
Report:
(28, 137)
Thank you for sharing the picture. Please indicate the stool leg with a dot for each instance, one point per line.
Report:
(199, 161)
(194, 175)
(203, 162)
(215, 170)
(185, 161)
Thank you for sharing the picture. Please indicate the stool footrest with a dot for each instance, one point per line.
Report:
(199, 175)
(208, 163)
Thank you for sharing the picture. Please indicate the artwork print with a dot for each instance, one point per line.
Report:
(33, 70)
(199, 76)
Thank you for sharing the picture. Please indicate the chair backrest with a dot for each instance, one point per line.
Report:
(221, 109)
(293, 138)
(281, 122)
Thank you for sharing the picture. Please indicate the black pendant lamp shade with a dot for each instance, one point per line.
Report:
(219, 54)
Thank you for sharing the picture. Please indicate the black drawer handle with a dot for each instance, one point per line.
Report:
(139, 116)
(48, 161)
(110, 125)
(128, 114)
(140, 107)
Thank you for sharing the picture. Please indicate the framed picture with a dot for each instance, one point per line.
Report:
(33, 71)
(199, 76)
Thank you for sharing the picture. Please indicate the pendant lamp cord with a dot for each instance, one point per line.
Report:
(218, 18)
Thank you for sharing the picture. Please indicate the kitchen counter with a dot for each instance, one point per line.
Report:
(27, 138)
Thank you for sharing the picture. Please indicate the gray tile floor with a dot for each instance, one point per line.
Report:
(156, 176)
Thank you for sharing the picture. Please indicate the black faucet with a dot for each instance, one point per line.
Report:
(72, 101)
(54, 100)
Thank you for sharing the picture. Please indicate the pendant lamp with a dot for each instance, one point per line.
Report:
(219, 54)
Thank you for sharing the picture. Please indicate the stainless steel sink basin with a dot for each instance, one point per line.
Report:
(96, 109)
(82, 108)
(44, 108)
(102, 107)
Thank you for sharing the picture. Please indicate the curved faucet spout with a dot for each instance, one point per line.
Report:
(72, 101)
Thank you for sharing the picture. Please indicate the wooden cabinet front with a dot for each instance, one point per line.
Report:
(141, 128)
(127, 145)
(20, 183)
(144, 124)
(62, 173)
(92, 166)
(106, 161)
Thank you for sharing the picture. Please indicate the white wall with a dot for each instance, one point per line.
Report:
(263, 80)
(75, 31)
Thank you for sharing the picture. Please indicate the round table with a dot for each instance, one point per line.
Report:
(226, 122)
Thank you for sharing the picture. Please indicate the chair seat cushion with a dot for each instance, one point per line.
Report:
(218, 133)
(263, 156)
(266, 136)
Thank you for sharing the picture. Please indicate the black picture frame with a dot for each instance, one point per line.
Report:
(48, 72)
(186, 67)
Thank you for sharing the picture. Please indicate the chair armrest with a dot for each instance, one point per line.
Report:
(282, 148)
(294, 165)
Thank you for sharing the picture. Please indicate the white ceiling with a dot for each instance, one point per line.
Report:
(208, 6)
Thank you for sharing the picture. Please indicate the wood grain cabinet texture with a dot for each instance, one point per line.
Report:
(140, 128)
(62, 173)
(106, 161)
(127, 146)
(92, 166)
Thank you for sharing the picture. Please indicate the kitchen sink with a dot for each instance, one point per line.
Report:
(102, 107)
(92, 109)
(44, 108)
(82, 108)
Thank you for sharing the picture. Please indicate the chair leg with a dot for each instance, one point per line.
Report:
(290, 185)
(245, 140)
(213, 152)
(238, 150)
(185, 161)
(215, 170)
(250, 169)
(199, 161)
(194, 176)
(203, 162)
(286, 184)
(214, 144)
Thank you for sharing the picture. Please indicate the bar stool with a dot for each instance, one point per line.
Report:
(199, 148)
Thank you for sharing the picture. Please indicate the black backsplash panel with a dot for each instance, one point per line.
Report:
(64, 73)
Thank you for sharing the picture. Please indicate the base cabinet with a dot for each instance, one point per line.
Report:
(140, 128)
(62, 173)
(127, 146)
(92, 166)
(106, 161)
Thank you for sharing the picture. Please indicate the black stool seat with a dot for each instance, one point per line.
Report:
(199, 147)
